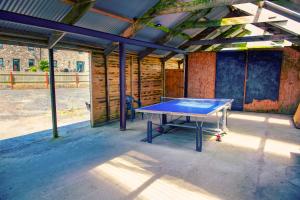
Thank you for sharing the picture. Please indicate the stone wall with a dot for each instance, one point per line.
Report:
(66, 59)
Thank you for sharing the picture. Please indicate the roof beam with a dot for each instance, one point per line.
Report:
(194, 5)
(112, 15)
(22, 38)
(140, 22)
(232, 31)
(283, 10)
(209, 32)
(290, 25)
(175, 31)
(48, 24)
(234, 21)
(77, 11)
(243, 39)
(235, 33)
(103, 12)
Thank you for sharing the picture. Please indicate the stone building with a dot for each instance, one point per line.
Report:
(21, 58)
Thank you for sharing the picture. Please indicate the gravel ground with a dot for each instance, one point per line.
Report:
(20, 108)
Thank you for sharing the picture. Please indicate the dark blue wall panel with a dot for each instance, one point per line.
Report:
(263, 75)
(230, 77)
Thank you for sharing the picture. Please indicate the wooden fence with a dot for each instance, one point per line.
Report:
(39, 80)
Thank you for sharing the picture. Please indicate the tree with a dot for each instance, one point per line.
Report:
(44, 65)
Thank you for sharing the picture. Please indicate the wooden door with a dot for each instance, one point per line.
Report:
(263, 75)
(174, 83)
(230, 77)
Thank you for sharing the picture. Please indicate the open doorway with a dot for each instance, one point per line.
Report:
(25, 94)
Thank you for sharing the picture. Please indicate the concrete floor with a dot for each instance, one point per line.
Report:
(258, 159)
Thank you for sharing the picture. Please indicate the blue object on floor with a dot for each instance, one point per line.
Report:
(130, 106)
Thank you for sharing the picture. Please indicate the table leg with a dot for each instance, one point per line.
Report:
(149, 131)
(224, 120)
(164, 119)
(199, 136)
(188, 119)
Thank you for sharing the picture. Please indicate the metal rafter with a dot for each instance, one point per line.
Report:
(48, 24)
(77, 11)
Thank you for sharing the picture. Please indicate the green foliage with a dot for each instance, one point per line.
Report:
(33, 68)
(44, 65)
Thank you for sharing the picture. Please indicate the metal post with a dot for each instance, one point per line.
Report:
(52, 94)
(186, 71)
(107, 99)
(122, 75)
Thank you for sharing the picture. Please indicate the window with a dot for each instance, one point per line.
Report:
(16, 64)
(30, 49)
(1, 46)
(30, 62)
(1, 63)
(80, 66)
(55, 63)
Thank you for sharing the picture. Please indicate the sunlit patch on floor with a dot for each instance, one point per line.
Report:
(131, 177)
(280, 148)
(247, 117)
(168, 187)
(279, 121)
(242, 140)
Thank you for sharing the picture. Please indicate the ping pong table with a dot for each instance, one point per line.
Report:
(199, 109)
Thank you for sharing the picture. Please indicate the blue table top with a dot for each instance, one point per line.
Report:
(187, 106)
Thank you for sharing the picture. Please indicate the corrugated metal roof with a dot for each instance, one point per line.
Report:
(56, 9)
(128, 8)
(102, 23)
(47, 9)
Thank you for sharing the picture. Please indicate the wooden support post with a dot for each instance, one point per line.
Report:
(107, 99)
(52, 94)
(131, 76)
(245, 78)
(122, 76)
(47, 80)
(163, 74)
(139, 80)
(11, 79)
(77, 79)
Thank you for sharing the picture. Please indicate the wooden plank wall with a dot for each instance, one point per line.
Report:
(151, 83)
(98, 103)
